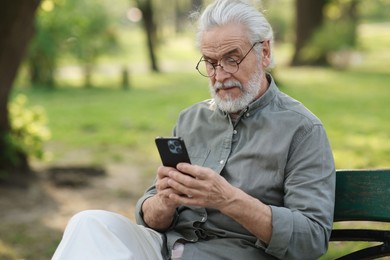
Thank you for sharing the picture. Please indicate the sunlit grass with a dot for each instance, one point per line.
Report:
(103, 118)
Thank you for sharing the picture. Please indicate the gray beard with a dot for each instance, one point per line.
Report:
(234, 105)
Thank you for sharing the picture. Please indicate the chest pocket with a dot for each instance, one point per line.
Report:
(198, 155)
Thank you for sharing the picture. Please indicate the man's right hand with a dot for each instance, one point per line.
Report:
(158, 210)
(163, 188)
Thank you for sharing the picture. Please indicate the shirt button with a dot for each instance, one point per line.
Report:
(248, 114)
(221, 161)
(234, 131)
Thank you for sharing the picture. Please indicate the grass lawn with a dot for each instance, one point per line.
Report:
(353, 106)
(107, 121)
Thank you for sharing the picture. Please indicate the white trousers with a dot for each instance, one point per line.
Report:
(103, 235)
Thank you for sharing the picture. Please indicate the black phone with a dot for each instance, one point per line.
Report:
(172, 151)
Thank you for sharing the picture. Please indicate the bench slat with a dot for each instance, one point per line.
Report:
(362, 195)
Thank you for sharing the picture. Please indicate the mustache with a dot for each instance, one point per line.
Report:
(227, 84)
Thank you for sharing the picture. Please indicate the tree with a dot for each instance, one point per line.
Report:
(16, 30)
(46, 45)
(150, 30)
(323, 27)
(81, 28)
(348, 15)
(337, 37)
(309, 18)
(91, 33)
(162, 16)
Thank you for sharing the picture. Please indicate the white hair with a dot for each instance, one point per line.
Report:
(223, 12)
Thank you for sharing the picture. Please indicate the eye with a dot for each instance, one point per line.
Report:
(230, 61)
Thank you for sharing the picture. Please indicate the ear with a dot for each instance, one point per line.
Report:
(266, 53)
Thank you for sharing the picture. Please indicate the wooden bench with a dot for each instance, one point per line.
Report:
(363, 195)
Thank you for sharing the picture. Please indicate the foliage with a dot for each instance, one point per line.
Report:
(338, 32)
(29, 129)
(375, 11)
(279, 15)
(48, 43)
(83, 29)
(91, 33)
(333, 36)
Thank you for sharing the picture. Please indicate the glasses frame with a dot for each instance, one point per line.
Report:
(219, 64)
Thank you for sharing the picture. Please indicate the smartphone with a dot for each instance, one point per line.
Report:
(172, 151)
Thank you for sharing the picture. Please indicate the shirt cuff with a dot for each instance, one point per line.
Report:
(282, 228)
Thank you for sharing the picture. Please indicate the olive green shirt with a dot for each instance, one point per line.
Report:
(276, 151)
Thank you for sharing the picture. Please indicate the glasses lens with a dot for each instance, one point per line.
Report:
(229, 65)
(206, 68)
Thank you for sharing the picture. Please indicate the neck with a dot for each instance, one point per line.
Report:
(235, 115)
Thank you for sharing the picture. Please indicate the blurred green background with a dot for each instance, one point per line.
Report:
(102, 101)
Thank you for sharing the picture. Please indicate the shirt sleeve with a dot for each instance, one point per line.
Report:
(304, 224)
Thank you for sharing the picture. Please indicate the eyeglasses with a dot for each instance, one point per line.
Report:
(228, 64)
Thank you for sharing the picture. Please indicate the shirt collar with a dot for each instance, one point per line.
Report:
(266, 98)
(258, 103)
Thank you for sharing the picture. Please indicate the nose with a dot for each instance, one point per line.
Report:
(220, 74)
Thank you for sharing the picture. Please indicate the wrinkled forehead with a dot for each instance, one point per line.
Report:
(217, 41)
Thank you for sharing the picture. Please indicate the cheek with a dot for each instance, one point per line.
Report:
(242, 77)
(247, 74)
(211, 82)
(248, 68)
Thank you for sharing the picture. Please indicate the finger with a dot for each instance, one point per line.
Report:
(169, 191)
(195, 171)
(184, 179)
(186, 168)
(184, 200)
(182, 189)
(163, 171)
(162, 184)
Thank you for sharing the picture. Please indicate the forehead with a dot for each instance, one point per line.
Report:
(220, 40)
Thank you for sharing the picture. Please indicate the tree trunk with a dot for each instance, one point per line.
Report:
(150, 29)
(309, 18)
(41, 69)
(88, 75)
(352, 16)
(16, 30)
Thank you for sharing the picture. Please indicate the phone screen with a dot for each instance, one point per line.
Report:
(172, 151)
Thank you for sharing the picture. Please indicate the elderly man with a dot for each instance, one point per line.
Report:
(261, 183)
